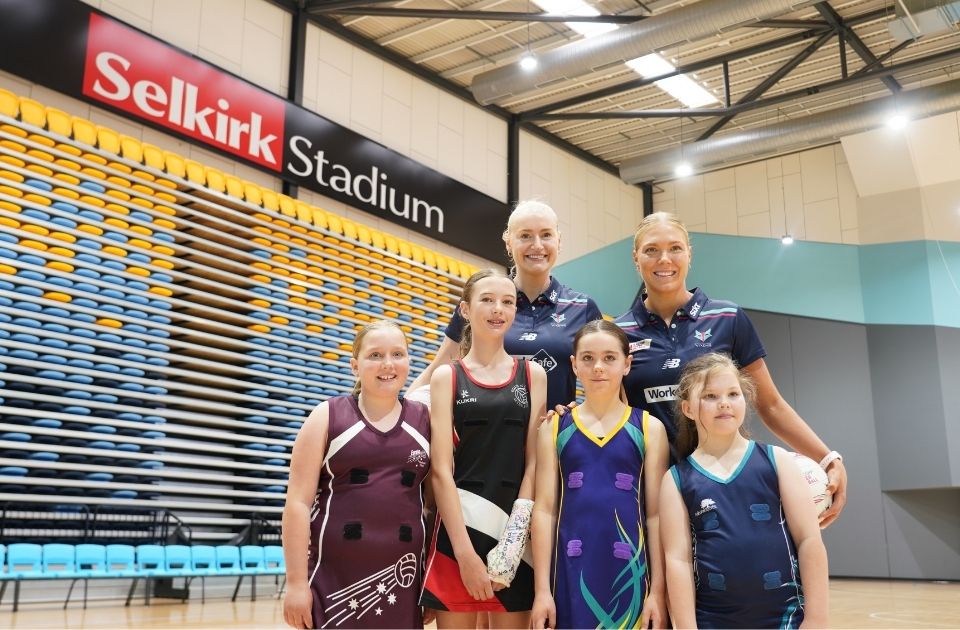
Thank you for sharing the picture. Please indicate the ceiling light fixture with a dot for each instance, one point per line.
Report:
(786, 239)
(529, 61)
(683, 169)
(898, 121)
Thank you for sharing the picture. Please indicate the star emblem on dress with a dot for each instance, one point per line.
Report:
(379, 611)
(354, 604)
(392, 599)
(381, 588)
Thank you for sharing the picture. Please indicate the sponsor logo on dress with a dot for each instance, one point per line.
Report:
(520, 395)
(643, 344)
(553, 296)
(702, 338)
(707, 505)
(695, 309)
(545, 360)
(465, 398)
(418, 456)
(671, 364)
(530, 336)
(559, 320)
(660, 394)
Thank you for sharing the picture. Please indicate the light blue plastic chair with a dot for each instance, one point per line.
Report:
(59, 560)
(91, 563)
(203, 562)
(151, 563)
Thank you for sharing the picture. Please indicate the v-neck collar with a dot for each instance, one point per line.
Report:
(600, 441)
(743, 462)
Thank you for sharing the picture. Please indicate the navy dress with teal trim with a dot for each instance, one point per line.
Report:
(601, 574)
(744, 559)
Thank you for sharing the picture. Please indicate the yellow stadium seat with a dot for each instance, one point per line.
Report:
(364, 235)
(234, 186)
(195, 172)
(216, 180)
(252, 193)
(405, 249)
(9, 104)
(349, 229)
(131, 149)
(319, 218)
(32, 112)
(153, 156)
(271, 200)
(58, 122)
(429, 258)
(7, 269)
(392, 245)
(417, 253)
(287, 207)
(175, 164)
(334, 223)
(84, 131)
(304, 212)
(465, 270)
(378, 240)
(108, 140)
(8, 222)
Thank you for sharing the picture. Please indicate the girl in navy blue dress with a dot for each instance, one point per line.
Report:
(740, 530)
(595, 519)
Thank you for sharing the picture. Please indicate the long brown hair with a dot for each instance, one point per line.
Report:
(363, 332)
(692, 380)
(466, 340)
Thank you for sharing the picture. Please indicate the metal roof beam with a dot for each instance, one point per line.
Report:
(830, 15)
(492, 16)
(858, 77)
(701, 65)
(770, 81)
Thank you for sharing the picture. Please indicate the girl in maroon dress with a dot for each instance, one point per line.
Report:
(353, 527)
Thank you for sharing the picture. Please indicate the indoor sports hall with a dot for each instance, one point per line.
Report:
(203, 201)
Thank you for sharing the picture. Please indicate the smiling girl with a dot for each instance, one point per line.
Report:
(483, 462)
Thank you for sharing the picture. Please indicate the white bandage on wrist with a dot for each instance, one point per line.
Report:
(504, 559)
(829, 458)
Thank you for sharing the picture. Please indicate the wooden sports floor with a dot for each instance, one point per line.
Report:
(854, 604)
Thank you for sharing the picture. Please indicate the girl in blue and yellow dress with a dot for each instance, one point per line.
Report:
(596, 550)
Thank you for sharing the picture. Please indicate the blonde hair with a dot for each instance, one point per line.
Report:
(692, 381)
(466, 340)
(363, 332)
(524, 209)
(658, 218)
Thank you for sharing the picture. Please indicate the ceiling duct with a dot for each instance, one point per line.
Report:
(690, 23)
(918, 18)
(805, 132)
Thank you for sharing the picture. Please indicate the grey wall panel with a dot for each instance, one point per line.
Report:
(908, 404)
(948, 353)
(924, 534)
(833, 392)
(822, 368)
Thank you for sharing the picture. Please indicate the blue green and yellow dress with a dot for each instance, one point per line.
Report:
(600, 565)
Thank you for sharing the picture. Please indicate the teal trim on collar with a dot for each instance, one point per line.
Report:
(736, 473)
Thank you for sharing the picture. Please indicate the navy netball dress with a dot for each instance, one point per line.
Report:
(600, 560)
(366, 525)
(744, 560)
(490, 432)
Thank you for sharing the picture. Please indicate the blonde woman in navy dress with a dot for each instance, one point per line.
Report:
(353, 529)
(740, 533)
(595, 519)
(483, 466)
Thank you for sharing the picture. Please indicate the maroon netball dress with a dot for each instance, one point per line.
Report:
(366, 524)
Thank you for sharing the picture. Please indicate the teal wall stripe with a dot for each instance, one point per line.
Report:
(890, 283)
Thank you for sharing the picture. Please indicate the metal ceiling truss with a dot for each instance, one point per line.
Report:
(823, 31)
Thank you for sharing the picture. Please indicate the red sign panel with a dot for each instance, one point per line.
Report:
(136, 73)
